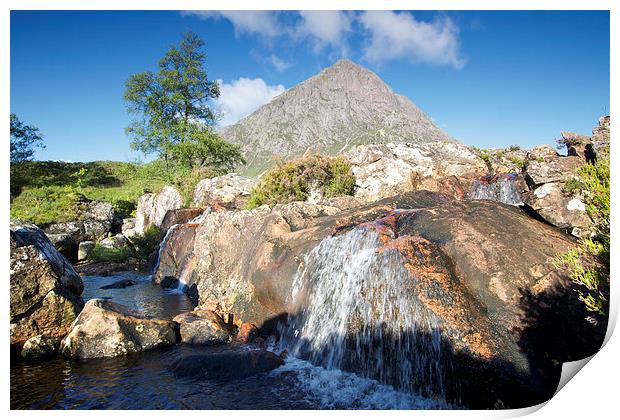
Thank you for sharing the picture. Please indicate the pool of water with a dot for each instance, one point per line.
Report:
(145, 380)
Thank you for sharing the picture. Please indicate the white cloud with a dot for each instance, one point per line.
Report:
(399, 35)
(278, 63)
(325, 28)
(263, 22)
(243, 96)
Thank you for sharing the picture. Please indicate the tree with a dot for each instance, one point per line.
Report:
(171, 106)
(24, 139)
(203, 147)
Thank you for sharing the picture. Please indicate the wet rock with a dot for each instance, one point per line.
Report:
(179, 217)
(501, 188)
(40, 347)
(44, 288)
(226, 365)
(230, 191)
(176, 258)
(168, 282)
(107, 329)
(84, 248)
(108, 268)
(121, 284)
(203, 327)
(152, 208)
(247, 333)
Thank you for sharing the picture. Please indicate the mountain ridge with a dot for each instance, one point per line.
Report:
(342, 106)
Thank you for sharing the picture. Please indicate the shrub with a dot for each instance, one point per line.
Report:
(103, 254)
(514, 148)
(293, 181)
(589, 262)
(145, 244)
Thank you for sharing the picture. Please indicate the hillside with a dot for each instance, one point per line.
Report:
(343, 106)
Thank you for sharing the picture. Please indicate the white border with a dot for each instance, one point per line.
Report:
(593, 392)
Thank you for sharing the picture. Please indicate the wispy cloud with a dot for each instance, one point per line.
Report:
(388, 35)
(243, 96)
(261, 22)
(394, 35)
(278, 63)
(328, 28)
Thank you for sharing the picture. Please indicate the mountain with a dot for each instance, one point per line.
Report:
(343, 106)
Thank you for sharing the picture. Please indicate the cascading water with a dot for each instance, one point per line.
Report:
(355, 313)
(162, 246)
(502, 189)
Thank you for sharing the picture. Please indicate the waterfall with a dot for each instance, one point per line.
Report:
(162, 246)
(356, 312)
(502, 189)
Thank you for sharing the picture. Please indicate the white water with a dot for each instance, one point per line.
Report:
(335, 389)
(503, 190)
(357, 312)
(162, 246)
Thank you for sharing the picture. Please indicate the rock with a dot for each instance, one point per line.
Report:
(98, 219)
(559, 208)
(44, 288)
(179, 217)
(84, 248)
(107, 329)
(485, 273)
(176, 258)
(121, 284)
(203, 327)
(543, 152)
(117, 241)
(128, 227)
(558, 169)
(66, 245)
(601, 137)
(230, 191)
(95, 221)
(152, 208)
(575, 144)
(501, 188)
(247, 333)
(386, 170)
(40, 347)
(107, 268)
(226, 365)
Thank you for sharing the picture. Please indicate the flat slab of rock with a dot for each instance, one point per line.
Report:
(107, 329)
(203, 327)
(226, 365)
(121, 284)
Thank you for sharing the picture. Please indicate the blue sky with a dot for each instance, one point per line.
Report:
(489, 79)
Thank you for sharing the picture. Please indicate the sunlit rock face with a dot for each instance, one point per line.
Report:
(44, 288)
(152, 208)
(419, 283)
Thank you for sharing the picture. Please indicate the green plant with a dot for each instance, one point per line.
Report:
(103, 254)
(589, 263)
(293, 181)
(147, 243)
(518, 162)
(514, 148)
(24, 139)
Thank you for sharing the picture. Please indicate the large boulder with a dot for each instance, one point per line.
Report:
(481, 273)
(152, 208)
(230, 191)
(95, 221)
(179, 217)
(45, 289)
(384, 170)
(107, 329)
(65, 244)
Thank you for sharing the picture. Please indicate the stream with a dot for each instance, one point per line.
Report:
(145, 381)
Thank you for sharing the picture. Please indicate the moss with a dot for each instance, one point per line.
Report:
(293, 181)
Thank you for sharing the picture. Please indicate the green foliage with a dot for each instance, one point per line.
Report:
(293, 181)
(514, 148)
(518, 162)
(589, 262)
(24, 139)
(103, 254)
(51, 192)
(203, 147)
(144, 245)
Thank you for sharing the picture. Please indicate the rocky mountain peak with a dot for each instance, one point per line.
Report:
(342, 106)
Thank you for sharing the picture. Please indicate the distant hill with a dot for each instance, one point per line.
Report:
(343, 106)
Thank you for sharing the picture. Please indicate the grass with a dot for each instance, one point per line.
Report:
(54, 192)
(142, 246)
(293, 181)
